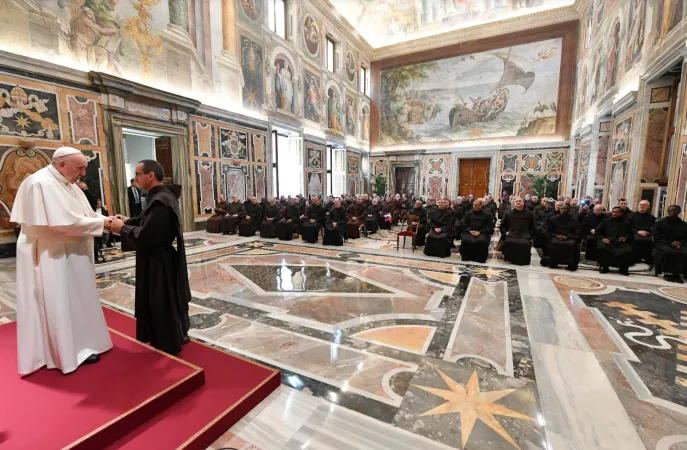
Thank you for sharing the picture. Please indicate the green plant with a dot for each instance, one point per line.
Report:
(380, 184)
(541, 184)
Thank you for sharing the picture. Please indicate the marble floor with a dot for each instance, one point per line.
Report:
(389, 349)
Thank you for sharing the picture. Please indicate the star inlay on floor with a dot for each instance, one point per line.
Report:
(473, 404)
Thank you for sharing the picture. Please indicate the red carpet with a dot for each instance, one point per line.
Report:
(233, 386)
(93, 406)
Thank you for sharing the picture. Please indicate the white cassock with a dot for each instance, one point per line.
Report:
(60, 322)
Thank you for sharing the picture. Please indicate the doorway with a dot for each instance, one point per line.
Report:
(405, 181)
(474, 177)
(136, 138)
(139, 145)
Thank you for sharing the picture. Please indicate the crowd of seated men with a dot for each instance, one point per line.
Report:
(558, 228)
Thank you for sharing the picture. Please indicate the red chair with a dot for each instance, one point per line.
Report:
(408, 229)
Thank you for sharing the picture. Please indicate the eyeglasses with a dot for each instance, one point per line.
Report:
(142, 173)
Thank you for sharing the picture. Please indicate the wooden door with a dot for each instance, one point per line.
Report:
(405, 180)
(163, 155)
(474, 177)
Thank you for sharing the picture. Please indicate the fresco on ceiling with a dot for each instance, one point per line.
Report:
(505, 92)
(386, 22)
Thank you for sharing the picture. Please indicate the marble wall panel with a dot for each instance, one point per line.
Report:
(601, 160)
(235, 181)
(259, 148)
(15, 165)
(315, 157)
(233, 144)
(617, 185)
(315, 184)
(203, 139)
(435, 176)
(206, 186)
(260, 181)
(29, 112)
(83, 120)
(622, 133)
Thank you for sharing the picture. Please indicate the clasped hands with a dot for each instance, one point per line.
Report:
(114, 224)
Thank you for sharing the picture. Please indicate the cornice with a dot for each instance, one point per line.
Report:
(506, 26)
(110, 84)
(26, 64)
(343, 26)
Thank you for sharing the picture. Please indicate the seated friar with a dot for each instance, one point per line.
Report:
(477, 228)
(564, 239)
(670, 245)
(517, 230)
(614, 243)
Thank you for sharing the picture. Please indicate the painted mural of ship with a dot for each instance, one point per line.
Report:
(517, 71)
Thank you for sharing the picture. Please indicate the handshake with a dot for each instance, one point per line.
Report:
(114, 224)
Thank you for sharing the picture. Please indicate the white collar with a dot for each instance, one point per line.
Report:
(58, 175)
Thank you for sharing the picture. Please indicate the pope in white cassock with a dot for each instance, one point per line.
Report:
(60, 323)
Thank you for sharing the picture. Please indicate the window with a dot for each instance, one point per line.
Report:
(277, 17)
(329, 170)
(336, 170)
(331, 56)
(364, 80)
(287, 165)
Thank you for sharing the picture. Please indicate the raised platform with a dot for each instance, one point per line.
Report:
(134, 398)
(93, 406)
(233, 386)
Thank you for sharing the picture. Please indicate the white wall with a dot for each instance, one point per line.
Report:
(137, 148)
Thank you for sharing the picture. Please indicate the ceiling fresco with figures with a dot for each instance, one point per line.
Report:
(388, 22)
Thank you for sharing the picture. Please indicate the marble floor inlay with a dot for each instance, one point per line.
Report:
(381, 348)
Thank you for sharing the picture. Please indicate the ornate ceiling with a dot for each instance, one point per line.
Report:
(393, 23)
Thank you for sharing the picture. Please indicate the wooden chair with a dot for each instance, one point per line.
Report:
(409, 227)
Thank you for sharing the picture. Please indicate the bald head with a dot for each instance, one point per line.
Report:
(598, 210)
(71, 167)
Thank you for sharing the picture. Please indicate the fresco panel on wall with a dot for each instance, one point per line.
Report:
(505, 92)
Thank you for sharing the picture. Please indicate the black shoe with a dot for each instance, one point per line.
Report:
(624, 271)
(187, 339)
(553, 266)
(603, 270)
(571, 268)
(673, 278)
(651, 267)
(94, 358)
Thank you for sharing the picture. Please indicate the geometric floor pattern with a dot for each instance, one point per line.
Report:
(380, 348)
